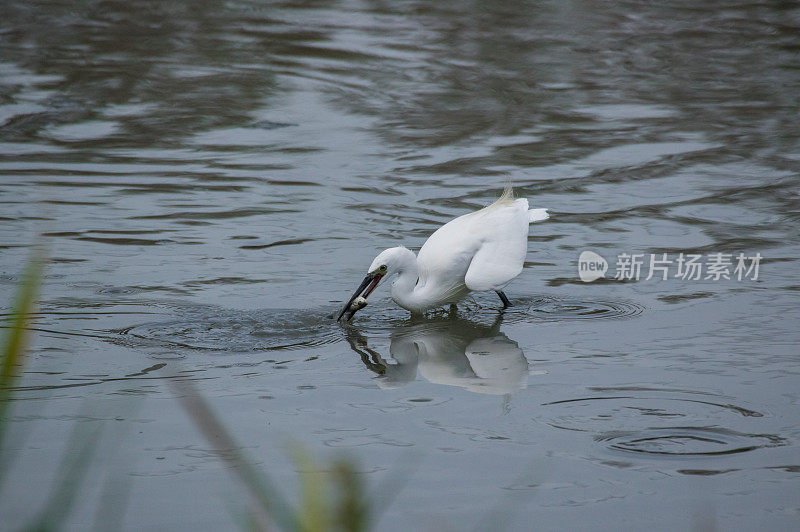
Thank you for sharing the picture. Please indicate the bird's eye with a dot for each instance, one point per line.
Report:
(382, 268)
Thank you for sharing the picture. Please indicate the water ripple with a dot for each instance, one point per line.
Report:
(688, 441)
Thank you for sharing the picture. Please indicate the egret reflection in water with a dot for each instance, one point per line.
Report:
(451, 351)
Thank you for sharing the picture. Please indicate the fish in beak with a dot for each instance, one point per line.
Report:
(359, 298)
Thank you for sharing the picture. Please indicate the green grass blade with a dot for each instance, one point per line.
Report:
(352, 506)
(254, 480)
(312, 513)
(74, 467)
(13, 347)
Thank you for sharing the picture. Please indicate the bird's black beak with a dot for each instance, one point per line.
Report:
(367, 286)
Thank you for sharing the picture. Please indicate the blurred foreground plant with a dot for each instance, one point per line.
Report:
(13, 350)
(331, 499)
(82, 443)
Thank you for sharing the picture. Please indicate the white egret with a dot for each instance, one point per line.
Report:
(479, 251)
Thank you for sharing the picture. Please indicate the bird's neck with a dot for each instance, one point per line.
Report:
(404, 290)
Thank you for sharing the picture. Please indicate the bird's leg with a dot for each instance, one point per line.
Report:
(453, 309)
(503, 298)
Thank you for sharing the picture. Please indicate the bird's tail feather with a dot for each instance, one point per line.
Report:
(507, 195)
(537, 215)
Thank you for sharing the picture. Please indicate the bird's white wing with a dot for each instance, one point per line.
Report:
(504, 243)
(493, 266)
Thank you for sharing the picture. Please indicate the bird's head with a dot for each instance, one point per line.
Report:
(385, 264)
(391, 259)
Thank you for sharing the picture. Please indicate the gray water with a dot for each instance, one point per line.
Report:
(210, 180)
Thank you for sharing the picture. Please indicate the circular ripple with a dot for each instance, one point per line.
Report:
(563, 309)
(599, 414)
(675, 423)
(217, 329)
(689, 441)
(385, 314)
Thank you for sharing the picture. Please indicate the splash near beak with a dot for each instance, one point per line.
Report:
(367, 286)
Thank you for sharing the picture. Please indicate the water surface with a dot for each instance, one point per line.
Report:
(213, 178)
